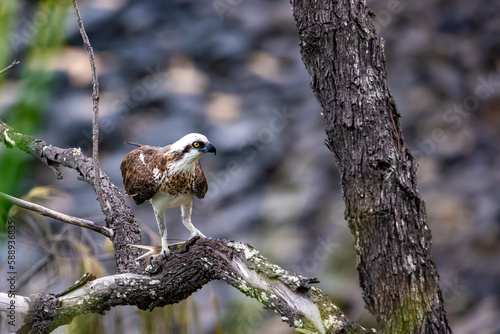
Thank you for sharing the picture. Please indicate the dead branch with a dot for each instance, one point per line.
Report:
(10, 67)
(21, 305)
(95, 97)
(59, 216)
(306, 308)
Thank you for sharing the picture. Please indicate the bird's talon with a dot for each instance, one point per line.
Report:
(197, 233)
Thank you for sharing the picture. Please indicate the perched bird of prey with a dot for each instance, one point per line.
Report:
(168, 177)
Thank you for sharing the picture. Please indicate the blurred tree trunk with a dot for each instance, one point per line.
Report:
(386, 215)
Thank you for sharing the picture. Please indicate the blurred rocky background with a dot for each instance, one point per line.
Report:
(231, 69)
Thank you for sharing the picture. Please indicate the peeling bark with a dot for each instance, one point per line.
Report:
(386, 215)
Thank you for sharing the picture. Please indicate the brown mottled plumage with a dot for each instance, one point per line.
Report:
(141, 184)
(168, 176)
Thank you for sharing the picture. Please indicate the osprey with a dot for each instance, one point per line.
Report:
(167, 177)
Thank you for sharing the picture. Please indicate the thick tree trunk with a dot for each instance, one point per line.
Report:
(386, 215)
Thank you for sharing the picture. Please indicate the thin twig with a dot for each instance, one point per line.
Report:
(59, 216)
(95, 97)
(10, 67)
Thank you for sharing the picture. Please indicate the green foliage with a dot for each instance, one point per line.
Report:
(44, 35)
(87, 324)
(8, 10)
(168, 319)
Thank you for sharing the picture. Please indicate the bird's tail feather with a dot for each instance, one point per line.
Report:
(132, 143)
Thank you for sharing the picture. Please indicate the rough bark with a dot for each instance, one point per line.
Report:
(240, 265)
(386, 215)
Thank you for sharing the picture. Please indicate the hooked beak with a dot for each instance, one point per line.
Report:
(209, 148)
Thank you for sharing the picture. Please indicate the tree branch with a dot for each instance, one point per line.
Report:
(306, 308)
(10, 67)
(59, 216)
(95, 98)
(20, 308)
(118, 216)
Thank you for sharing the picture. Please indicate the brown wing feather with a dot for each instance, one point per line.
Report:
(200, 185)
(138, 178)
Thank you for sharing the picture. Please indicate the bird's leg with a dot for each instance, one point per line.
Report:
(162, 226)
(186, 220)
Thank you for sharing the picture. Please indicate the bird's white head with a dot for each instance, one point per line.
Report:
(190, 148)
(188, 141)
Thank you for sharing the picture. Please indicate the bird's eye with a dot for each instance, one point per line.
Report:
(196, 144)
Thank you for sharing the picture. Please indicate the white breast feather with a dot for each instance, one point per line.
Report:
(162, 201)
(185, 164)
(156, 174)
